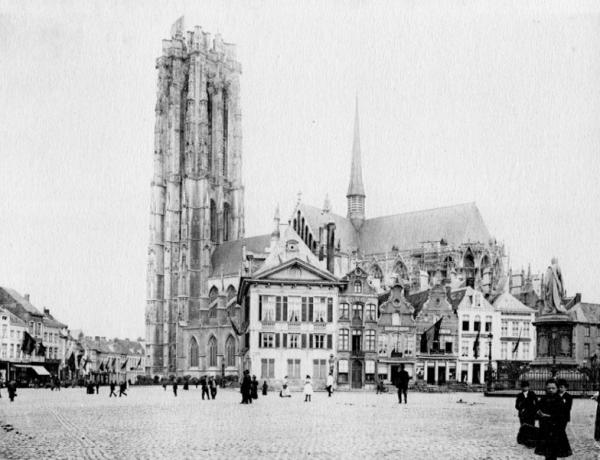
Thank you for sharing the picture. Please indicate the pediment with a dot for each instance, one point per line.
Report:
(297, 270)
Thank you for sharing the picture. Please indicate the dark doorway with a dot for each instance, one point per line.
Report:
(430, 375)
(394, 374)
(476, 373)
(441, 375)
(356, 374)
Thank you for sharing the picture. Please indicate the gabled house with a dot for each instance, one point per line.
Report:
(290, 306)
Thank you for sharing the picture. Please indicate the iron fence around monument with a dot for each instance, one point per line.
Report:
(583, 381)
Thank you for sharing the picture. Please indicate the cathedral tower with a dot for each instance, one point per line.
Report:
(356, 190)
(197, 197)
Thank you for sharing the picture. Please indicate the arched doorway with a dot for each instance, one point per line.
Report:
(356, 374)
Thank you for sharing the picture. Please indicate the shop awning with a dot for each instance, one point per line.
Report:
(39, 370)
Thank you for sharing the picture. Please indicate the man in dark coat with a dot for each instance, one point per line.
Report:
(12, 390)
(112, 390)
(122, 388)
(526, 405)
(402, 384)
(204, 385)
(175, 387)
(246, 388)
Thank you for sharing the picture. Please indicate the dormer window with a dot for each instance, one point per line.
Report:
(291, 246)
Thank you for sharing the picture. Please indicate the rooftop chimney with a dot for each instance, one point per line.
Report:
(27, 297)
(46, 311)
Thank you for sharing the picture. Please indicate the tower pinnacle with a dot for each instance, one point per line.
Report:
(356, 190)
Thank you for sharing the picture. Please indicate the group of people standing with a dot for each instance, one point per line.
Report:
(553, 413)
(249, 388)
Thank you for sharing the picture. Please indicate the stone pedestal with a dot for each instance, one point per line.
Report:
(554, 341)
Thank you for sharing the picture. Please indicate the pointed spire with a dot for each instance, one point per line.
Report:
(356, 183)
(326, 204)
(276, 219)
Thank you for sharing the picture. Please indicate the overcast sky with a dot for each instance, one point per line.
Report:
(497, 103)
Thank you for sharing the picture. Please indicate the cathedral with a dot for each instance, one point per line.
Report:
(198, 253)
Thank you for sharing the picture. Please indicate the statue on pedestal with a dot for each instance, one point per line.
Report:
(553, 290)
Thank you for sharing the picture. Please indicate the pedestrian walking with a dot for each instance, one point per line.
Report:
(185, 385)
(245, 388)
(11, 387)
(552, 413)
(204, 385)
(526, 406)
(122, 388)
(265, 388)
(164, 384)
(402, 384)
(330, 383)
(212, 386)
(596, 397)
(97, 387)
(175, 387)
(113, 385)
(254, 388)
(308, 389)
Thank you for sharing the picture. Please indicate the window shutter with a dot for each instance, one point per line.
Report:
(329, 310)
(277, 340)
(285, 312)
(260, 307)
(303, 340)
(278, 309)
(303, 308)
(260, 339)
(329, 341)
(284, 340)
(310, 309)
(310, 340)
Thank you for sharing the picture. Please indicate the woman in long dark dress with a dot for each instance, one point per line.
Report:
(552, 414)
(254, 387)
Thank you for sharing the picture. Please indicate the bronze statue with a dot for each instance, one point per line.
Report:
(554, 290)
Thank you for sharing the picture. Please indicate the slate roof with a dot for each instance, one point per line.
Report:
(417, 300)
(344, 230)
(17, 304)
(114, 346)
(51, 321)
(457, 224)
(14, 319)
(585, 312)
(506, 302)
(228, 256)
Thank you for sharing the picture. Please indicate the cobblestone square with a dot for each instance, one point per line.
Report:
(152, 423)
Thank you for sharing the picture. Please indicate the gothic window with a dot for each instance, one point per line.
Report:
(401, 270)
(447, 267)
(225, 130)
(212, 352)
(212, 295)
(230, 351)
(193, 352)
(226, 222)
(213, 221)
(209, 116)
(231, 293)
(469, 268)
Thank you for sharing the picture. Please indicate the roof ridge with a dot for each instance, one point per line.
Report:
(473, 203)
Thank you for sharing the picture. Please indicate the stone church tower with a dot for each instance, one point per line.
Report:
(197, 197)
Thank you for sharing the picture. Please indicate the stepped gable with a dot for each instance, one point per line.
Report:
(345, 232)
(456, 224)
(227, 257)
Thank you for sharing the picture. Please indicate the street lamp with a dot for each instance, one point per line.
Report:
(489, 382)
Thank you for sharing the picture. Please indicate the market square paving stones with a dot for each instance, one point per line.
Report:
(152, 423)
